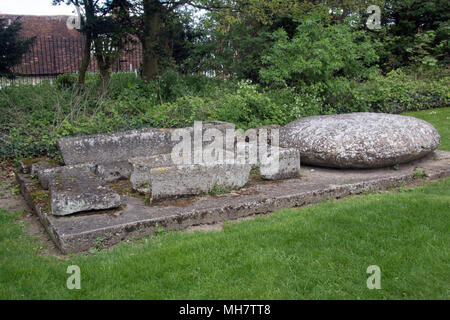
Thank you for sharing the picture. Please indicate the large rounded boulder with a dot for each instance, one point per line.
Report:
(360, 140)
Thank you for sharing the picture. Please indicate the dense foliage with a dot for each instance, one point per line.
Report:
(318, 53)
(416, 32)
(33, 117)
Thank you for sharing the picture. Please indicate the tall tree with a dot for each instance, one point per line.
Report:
(86, 10)
(153, 22)
(12, 48)
(106, 34)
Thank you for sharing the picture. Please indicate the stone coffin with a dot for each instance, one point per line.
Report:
(160, 177)
(122, 146)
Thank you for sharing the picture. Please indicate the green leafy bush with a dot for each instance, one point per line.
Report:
(398, 92)
(318, 52)
(66, 80)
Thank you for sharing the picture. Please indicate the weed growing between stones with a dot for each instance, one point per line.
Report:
(216, 190)
(419, 173)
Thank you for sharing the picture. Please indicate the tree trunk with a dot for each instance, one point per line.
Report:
(105, 76)
(85, 62)
(150, 39)
(150, 65)
(87, 21)
(105, 60)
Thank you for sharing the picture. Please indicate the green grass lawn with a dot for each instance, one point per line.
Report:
(440, 119)
(318, 252)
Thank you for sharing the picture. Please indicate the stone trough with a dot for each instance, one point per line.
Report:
(127, 185)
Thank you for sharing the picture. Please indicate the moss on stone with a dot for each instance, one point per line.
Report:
(41, 198)
(122, 187)
(30, 162)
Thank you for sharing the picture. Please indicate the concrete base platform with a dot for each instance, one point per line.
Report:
(136, 218)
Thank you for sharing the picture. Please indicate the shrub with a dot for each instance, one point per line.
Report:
(249, 106)
(398, 92)
(317, 53)
(66, 80)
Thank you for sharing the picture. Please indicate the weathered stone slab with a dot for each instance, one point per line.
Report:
(108, 172)
(73, 191)
(114, 147)
(285, 166)
(360, 140)
(196, 179)
(288, 166)
(25, 165)
(41, 165)
(46, 175)
(135, 218)
(122, 146)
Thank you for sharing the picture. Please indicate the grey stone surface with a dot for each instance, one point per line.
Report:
(195, 179)
(360, 140)
(74, 191)
(115, 147)
(41, 165)
(247, 152)
(136, 219)
(141, 167)
(24, 167)
(159, 176)
(124, 145)
(220, 125)
(269, 129)
(114, 171)
(288, 166)
(46, 175)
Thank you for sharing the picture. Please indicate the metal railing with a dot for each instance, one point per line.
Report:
(49, 57)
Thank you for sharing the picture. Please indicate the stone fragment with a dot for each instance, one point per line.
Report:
(41, 165)
(25, 165)
(360, 140)
(111, 172)
(287, 166)
(74, 191)
(141, 167)
(46, 175)
(161, 177)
